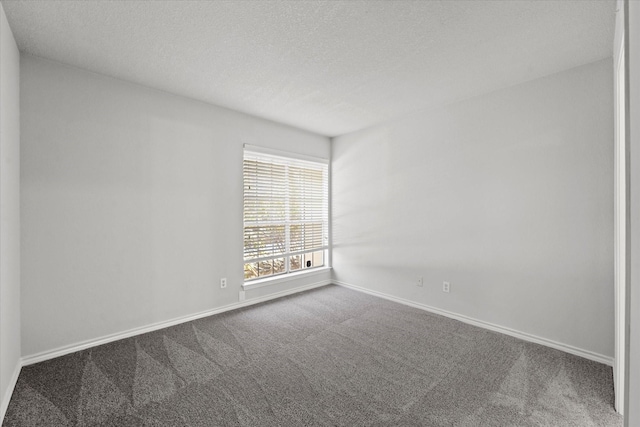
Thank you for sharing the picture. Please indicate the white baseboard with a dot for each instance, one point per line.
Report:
(486, 325)
(83, 345)
(61, 351)
(4, 404)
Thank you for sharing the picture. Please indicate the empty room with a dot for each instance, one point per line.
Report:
(319, 213)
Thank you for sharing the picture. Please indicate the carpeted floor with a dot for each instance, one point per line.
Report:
(326, 357)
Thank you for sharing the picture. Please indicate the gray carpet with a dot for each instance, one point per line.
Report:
(326, 357)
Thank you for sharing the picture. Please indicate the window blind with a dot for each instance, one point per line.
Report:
(285, 214)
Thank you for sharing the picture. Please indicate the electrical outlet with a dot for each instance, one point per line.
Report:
(445, 287)
(223, 282)
(420, 282)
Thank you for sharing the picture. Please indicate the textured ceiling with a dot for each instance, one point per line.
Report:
(331, 67)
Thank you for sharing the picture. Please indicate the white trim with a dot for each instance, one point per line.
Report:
(83, 345)
(4, 404)
(284, 154)
(486, 325)
(621, 222)
(283, 278)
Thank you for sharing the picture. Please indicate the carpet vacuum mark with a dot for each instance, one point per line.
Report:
(326, 357)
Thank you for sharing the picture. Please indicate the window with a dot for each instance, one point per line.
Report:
(285, 214)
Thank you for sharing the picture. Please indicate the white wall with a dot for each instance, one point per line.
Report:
(633, 368)
(131, 203)
(9, 212)
(508, 196)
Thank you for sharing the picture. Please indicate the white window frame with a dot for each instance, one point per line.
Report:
(303, 272)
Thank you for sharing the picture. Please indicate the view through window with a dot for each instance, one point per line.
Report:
(285, 214)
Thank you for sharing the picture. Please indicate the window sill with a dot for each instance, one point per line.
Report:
(254, 284)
